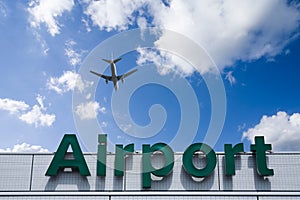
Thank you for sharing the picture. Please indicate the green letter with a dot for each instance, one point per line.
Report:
(101, 158)
(120, 158)
(187, 160)
(229, 157)
(147, 166)
(260, 148)
(59, 161)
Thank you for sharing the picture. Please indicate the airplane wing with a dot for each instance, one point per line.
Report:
(117, 60)
(101, 75)
(127, 74)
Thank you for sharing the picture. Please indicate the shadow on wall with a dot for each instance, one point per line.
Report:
(161, 183)
(191, 183)
(261, 183)
(118, 182)
(70, 180)
(244, 180)
(228, 180)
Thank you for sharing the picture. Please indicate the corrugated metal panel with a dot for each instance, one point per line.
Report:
(286, 174)
(26, 172)
(15, 172)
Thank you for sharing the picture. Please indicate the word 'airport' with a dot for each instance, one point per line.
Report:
(60, 162)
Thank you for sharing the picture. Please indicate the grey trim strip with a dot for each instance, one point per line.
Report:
(67, 193)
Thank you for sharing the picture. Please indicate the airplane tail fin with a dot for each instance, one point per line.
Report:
(108, 61)
(112, 61)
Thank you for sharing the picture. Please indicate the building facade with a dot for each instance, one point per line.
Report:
(23, 177)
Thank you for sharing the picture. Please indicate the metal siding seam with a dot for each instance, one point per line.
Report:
(124, 177)
(219, 181)
(31, 172)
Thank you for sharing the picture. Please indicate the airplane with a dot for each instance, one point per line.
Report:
(114, 78)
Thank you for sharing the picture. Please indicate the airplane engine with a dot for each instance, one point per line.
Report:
(106, 81)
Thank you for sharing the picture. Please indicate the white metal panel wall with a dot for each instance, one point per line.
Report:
(286, 174)
(25, 172)
(15, 172)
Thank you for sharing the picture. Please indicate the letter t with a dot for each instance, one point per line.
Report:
(260, 148)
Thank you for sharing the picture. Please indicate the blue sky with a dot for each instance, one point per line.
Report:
(48, 47)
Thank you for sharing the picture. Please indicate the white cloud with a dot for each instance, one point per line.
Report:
(230, 78)
(87, 26)
(73, 55)
(280, 130)
(69, 81)
(103, 124)
(241, 127)
(46, 12)
(13, 106)
(40, 99)
(88, 96)
(35, 115)
(89, 110)
(142, 22)
(233, 30)
(3, 11)
(230, 30)
(113, 15)
(25, 148)
(41, 42)
(165, 62)
(125, 127)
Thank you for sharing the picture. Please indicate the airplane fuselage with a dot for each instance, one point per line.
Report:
(114, 75)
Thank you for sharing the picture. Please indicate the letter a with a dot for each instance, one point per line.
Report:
(59, 161)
